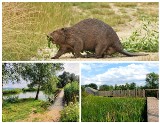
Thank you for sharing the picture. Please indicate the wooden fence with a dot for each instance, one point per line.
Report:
(122, 93)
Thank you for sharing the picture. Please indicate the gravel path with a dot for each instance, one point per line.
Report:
(152, 109)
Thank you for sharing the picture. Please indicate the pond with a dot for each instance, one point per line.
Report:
(21, 95)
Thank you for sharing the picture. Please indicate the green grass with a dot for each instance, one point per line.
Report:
(26, 24)
(12, 112)
(105, 109)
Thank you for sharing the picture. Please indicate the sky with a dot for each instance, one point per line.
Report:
(116, 73)
(68, 67)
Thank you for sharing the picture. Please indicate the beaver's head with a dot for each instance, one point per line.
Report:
(57, 36)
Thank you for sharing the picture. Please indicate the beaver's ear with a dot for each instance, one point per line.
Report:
(64, 29)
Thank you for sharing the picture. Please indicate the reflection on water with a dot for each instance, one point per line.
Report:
(41, 95)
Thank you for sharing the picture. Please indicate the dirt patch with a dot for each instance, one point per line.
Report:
(70, 57)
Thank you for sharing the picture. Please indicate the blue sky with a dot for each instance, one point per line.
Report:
(69, 67)
(116, 73)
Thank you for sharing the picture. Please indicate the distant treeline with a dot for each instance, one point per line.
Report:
(17, 90)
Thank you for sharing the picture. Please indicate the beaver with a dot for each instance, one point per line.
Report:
(91, 35)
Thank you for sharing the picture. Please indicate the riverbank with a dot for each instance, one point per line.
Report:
(18, 109)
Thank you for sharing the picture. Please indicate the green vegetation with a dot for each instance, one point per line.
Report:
(66, 78)
(71, 92)
(25, 28)
(71, 96)
(148, 42)
(13, 91)
(104, 109)
(70, 113)
(20, 109)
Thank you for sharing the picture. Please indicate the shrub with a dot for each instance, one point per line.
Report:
(70, 113)
(71, 92)
(11, 99)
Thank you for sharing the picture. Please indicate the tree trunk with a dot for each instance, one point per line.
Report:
(37, 92)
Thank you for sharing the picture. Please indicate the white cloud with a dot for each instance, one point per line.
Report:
(122, 74)
(72, 68)
(86, 67)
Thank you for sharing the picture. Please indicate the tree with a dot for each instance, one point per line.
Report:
(92, 85)
(132, 86)
(152, 80)
(66, 78)
(41, 75)
(10, 73)
(106, 87)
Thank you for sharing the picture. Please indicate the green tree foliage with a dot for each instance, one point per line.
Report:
(92, 85)
(105, 87)
(130, 86)
(66, 78)
(152, 80)
(10, 73)
(41, 75)
(71, 92)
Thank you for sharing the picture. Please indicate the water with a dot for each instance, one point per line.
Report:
(41, 95)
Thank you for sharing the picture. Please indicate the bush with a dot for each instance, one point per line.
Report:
(71, 92)
(11, 99)
(70, 113)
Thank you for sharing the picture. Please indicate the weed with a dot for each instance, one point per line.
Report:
(144, 39)
(70, 113)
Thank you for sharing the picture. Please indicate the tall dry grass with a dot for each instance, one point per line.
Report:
(25, 25)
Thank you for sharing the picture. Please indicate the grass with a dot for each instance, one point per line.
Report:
(105, 109)
(25, 25)
(12, 112)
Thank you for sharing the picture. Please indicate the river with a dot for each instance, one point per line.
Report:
(21, 95)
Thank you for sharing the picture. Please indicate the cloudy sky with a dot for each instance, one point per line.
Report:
(68, 67)
(116, 73)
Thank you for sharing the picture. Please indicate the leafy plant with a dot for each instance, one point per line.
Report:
(144, 39)
(71, 92)
(11, 99)
(70, 113)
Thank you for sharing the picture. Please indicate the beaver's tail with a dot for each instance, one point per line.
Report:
(131, 54)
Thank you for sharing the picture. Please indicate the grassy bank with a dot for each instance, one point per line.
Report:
(25, 25)
(21, 109)
(13, 91)
(104, 109)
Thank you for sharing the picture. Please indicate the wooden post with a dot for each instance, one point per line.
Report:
(144, 95)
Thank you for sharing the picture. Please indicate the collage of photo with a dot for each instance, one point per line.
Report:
(80, 61)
